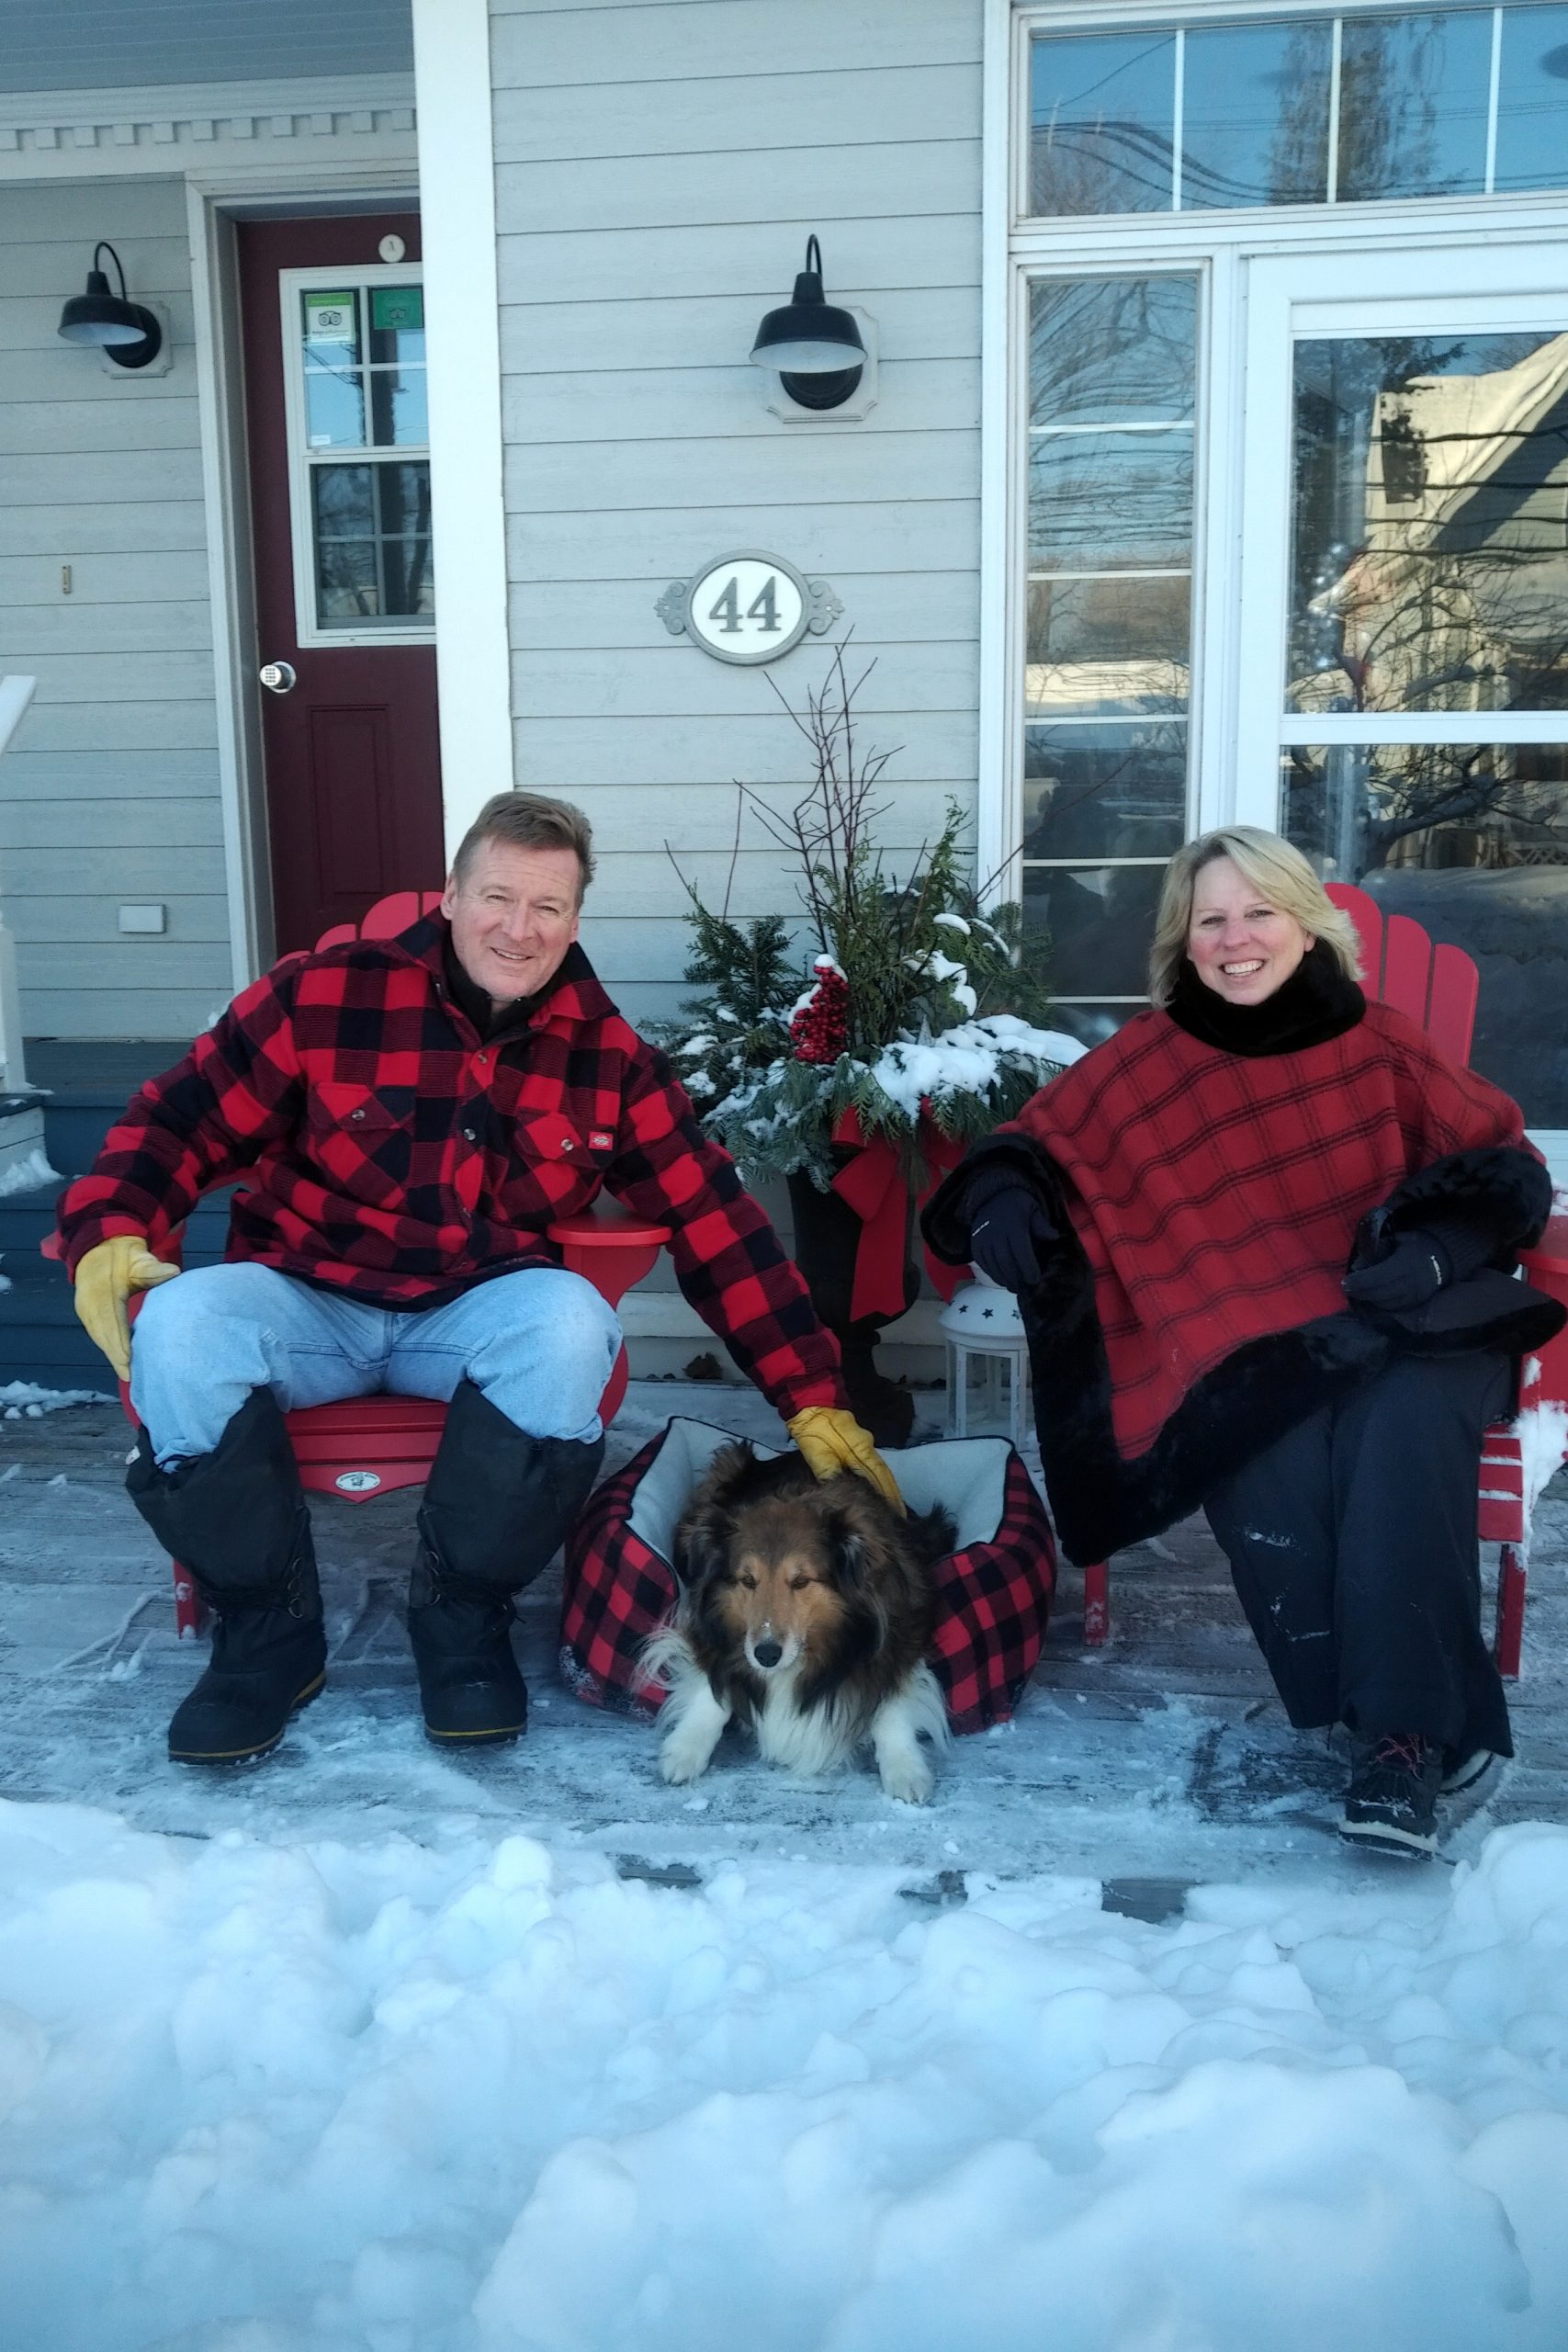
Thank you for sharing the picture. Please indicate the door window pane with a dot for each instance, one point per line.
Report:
(1413, 104)
(1472, 840)
(1111, 350)
(400, 416)
(1430, 565)
(1099, 921)
(1106, 792)
(1110, 501)
(335, 408)
(1255, 115)
(372, 542)
(397, 324)
(1106, 682)
(1104, 120)
(1108, 645)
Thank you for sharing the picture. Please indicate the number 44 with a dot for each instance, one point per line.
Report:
(762, 608)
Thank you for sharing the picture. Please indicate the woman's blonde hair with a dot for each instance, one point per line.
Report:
(1277, 871)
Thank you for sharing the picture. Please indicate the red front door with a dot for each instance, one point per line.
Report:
(333, 343)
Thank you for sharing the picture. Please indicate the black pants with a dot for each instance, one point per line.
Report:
(1353, 1545)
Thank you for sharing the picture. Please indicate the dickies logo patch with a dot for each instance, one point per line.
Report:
(601, 1139)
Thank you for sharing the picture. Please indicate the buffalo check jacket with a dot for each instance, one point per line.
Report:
(391, 1153)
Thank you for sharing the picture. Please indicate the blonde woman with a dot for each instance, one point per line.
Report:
(1262, 1240)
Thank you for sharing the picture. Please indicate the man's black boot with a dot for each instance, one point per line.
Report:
(497, 1506)
(236, 1519)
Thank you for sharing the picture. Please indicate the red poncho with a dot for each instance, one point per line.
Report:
(1216, 1197)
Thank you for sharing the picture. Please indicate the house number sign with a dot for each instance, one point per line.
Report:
(748, 608)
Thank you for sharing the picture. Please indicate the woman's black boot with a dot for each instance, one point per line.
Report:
(235, 1518)
(496, 1508)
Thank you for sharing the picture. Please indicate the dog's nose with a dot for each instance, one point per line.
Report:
(768, 1653)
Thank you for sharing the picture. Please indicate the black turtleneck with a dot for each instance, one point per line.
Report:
(1317, 1002)
(491, 1021)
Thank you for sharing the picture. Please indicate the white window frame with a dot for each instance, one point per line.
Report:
(1229, 780)
(310, 633)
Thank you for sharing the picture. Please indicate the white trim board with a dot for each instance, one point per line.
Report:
(83, 134)
(451, 47)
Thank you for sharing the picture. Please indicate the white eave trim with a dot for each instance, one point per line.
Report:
(451, 46)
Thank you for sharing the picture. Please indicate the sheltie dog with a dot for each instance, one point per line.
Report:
(805, 1613)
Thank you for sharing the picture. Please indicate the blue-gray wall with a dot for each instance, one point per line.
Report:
(658, 168)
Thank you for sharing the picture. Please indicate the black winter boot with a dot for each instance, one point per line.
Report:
(236, 1519)
(497, 1506)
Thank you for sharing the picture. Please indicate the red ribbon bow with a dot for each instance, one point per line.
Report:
(872, 1186)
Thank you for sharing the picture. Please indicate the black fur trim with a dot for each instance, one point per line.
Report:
(948, 1215)
(1502, 1192)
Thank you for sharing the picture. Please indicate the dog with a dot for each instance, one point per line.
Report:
(805, 1613)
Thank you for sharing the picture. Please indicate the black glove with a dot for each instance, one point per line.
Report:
(1008, 1232)
(1414, 1272)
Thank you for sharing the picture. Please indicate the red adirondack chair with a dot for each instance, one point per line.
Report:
(1438, 987)
(371, 1445)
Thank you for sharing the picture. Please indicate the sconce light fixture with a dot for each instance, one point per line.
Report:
(127, 331)
(816, 349)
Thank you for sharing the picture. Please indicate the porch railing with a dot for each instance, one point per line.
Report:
(15, 696)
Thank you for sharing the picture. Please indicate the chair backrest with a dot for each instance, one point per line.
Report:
(384, 918)
(1435, 987)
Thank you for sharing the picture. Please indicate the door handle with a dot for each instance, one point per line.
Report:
(277, 677)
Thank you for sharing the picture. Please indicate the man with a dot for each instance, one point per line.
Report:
(410, 1114)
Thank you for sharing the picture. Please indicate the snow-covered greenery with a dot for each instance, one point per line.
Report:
(917, 999)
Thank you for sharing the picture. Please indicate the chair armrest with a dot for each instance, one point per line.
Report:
(607, 1228)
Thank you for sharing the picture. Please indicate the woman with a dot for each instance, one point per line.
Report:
(1262, 1241)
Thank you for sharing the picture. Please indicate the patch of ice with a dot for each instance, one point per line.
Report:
(1542, 1432)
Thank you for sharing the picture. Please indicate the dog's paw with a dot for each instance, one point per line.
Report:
(907, 1778)
(683, 1759)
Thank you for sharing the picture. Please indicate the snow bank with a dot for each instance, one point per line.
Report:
(478, 2097)
(28, 1174)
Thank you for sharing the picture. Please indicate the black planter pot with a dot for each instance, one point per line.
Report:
(826, 1237)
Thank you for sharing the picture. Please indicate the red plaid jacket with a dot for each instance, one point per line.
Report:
(391, 1153)
(1217, 1197)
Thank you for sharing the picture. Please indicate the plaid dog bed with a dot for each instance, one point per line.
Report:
(993, 1593)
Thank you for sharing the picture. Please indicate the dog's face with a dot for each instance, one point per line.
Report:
(777, 1576)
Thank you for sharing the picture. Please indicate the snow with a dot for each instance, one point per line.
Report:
(477, 2094)
(967, 1059)
(19, 1397)
(28, 1174)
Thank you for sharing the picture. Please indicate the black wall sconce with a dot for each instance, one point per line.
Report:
(816, 349)
(125, 330)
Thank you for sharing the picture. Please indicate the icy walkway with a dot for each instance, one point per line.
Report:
(1164, 1756)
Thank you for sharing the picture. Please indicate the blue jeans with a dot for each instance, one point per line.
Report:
(540, 1344)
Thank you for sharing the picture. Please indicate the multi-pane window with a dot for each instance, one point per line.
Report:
(1111, 384)
(1429, 582)
(1330, 109)
(364, 465)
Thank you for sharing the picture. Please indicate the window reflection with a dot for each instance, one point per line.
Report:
(1111, 350)
(1413, 103)
(1430, 568)
(1472, 840)
(1532, 99)
(1099, 921)
(1102, 120)
(1106, 792)
(1255, 115)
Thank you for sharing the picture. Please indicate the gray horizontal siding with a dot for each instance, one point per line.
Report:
(84, 925)
(675, 680)
(611, 120)
(660, 166)
(664, 543)
(672, 753)
(646, 336)
(708, 41)
(110, 792)
(883, 608)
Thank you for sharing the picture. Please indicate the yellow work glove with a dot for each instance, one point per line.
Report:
(105, 1280)
(832, 1440)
